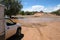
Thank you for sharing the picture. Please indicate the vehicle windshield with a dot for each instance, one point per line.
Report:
(9, 22)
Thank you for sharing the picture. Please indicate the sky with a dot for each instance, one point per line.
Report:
(38, 5)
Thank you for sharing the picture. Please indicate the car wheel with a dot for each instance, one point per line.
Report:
(18, 32)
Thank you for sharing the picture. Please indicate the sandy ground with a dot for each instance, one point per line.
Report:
(40, 31)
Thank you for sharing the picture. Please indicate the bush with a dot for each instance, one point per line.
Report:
(56, 12)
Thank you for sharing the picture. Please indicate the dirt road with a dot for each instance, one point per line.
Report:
(40, 30)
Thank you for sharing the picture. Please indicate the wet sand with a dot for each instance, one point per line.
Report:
(40, 30)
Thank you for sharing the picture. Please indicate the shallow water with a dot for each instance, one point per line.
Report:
(44, 19)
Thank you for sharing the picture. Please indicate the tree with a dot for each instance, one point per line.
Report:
(22, 13)
(56, 12)
(12, 7)
(41, 11)
(28, 13)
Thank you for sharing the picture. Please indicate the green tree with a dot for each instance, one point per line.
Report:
(12, 7)
(56, 12)
(22, 13)
(41, 11)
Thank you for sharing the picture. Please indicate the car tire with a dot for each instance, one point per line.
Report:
(19, 35)
(18, 32)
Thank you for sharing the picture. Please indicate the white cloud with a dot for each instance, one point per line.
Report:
(57, 7)
(34, 8)
(40, 7)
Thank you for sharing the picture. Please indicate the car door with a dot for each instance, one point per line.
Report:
(11, 28)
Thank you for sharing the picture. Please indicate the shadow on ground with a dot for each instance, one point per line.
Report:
(16, 37)
(2, 37)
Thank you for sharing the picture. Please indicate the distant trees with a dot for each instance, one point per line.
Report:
(41, 11)
(56, 12)
(12, 7)
(22, 13)
(27, 13)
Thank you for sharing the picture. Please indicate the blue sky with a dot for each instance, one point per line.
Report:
(38, 5)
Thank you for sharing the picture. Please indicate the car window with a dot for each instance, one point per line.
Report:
(9, 21)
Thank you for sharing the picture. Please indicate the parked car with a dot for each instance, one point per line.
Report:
(7, 26)
(11, 28)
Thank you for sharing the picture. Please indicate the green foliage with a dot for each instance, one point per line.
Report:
(29, 13)
(56, 12)
(26, 13)
(12, 7)
(22, 13)
(41, 11)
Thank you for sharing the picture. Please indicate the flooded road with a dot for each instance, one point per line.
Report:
(44, 19)
(48, 30)
(34, 30)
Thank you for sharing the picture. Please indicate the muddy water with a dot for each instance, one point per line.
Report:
(44, 19)
(48, 31)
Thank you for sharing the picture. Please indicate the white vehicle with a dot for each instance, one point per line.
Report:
(7, 26)
(11, 28)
